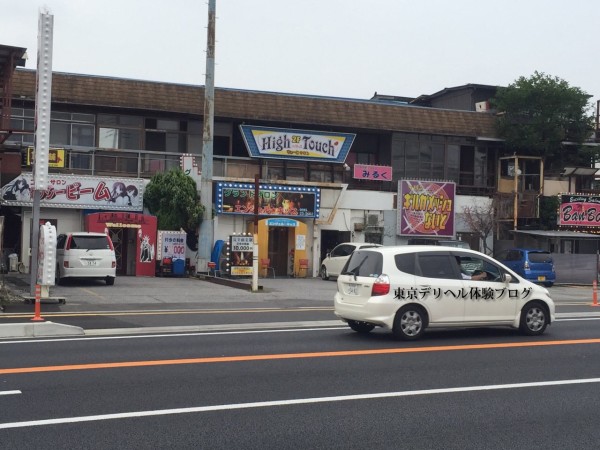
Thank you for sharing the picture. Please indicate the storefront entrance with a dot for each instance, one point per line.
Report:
(278, 250)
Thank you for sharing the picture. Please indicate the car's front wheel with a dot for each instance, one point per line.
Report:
(410, 322)
(534, 319)
(324, 275)
(360, 327)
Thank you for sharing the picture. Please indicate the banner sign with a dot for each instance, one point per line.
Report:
(579, 210)
(274, 200)
(426, 208)
(56, 157)
(368, 172)
(77, 191)
(241, 252)
(297, 145)
(171, 244)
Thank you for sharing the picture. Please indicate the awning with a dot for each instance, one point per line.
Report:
(558, 234)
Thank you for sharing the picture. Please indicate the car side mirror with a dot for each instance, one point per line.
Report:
(507, 277)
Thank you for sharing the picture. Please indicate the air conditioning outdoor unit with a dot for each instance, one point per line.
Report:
(372, 220)
(482, 106)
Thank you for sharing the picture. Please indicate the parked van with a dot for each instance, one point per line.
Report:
(534, 265)
(85, 255)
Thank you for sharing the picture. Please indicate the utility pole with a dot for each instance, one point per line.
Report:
(206, 235)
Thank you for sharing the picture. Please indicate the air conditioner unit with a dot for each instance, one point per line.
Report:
(373, 220)
(482, 106)
(359, 226)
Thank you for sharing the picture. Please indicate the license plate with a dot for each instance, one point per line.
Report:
(90, 263)
(541, 278)
(352, 289)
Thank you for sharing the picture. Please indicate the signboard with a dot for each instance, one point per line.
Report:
(274, 200)
(171, 244)
(368, 172)
(241, 252)
(297, 145)
(56, 157)
(579, 210)
(426, 208)
(77, 191)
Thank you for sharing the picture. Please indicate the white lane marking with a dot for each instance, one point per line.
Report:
(10, 392)
(197, 333)
(301, 401)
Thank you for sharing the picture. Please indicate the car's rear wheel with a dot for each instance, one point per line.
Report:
(324, 275)
(410, 322)
(110, 281)
(361, 327)
(534, 319)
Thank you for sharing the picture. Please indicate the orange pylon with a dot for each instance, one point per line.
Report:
(38, 295)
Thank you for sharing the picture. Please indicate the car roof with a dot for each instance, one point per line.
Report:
(359, 243)
(396, 249)
(84, 233)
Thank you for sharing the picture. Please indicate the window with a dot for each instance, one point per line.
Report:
(437, 266)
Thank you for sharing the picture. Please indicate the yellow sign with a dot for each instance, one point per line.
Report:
(56, 157)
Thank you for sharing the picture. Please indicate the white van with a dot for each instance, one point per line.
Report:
(85, 255)
(407, 289)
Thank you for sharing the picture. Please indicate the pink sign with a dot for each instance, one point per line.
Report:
(426, 208)
(579, 210)
(368, 172)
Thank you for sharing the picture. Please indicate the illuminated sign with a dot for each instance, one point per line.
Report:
(274, 200)
(241, 254)
(426, 208)
(56, 157)
(299, 145)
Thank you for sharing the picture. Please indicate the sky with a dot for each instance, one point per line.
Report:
(337, 48)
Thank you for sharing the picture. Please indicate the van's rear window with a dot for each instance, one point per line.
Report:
(90, 242)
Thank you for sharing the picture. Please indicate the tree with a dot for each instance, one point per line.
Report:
(537, 115)
(173, 198)
(481, 220)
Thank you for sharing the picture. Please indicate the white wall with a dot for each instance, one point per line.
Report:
(67, 220)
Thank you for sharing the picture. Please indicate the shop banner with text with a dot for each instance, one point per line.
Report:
(426, 208)
(78, 191)
(297, 145)
(579, 210)
(273, 200)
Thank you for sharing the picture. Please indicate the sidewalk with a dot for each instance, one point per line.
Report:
(158, 293)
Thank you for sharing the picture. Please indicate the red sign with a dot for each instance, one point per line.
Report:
(579, 210)
(377, 173)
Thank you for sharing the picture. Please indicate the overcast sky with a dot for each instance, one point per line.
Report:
(341, 48)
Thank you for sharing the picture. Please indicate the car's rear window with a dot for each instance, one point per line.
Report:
(540, 257)
(90, 242)
(364, 263)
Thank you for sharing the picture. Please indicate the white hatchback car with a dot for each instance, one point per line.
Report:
(407, 289)
(85, 255)
(334, 261)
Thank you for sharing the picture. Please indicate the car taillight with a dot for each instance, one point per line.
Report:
(68, 246)
(381, 286)
(66, 264)
(113, 264)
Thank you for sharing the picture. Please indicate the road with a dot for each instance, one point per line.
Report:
(322, 387)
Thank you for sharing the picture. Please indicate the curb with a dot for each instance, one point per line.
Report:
(34, 330)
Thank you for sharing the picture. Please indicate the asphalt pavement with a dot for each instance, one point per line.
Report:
(155, 304)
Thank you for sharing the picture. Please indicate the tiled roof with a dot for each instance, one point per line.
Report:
(256, 106)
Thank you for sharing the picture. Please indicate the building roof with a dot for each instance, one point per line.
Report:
(243, 105)
(10, 58)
